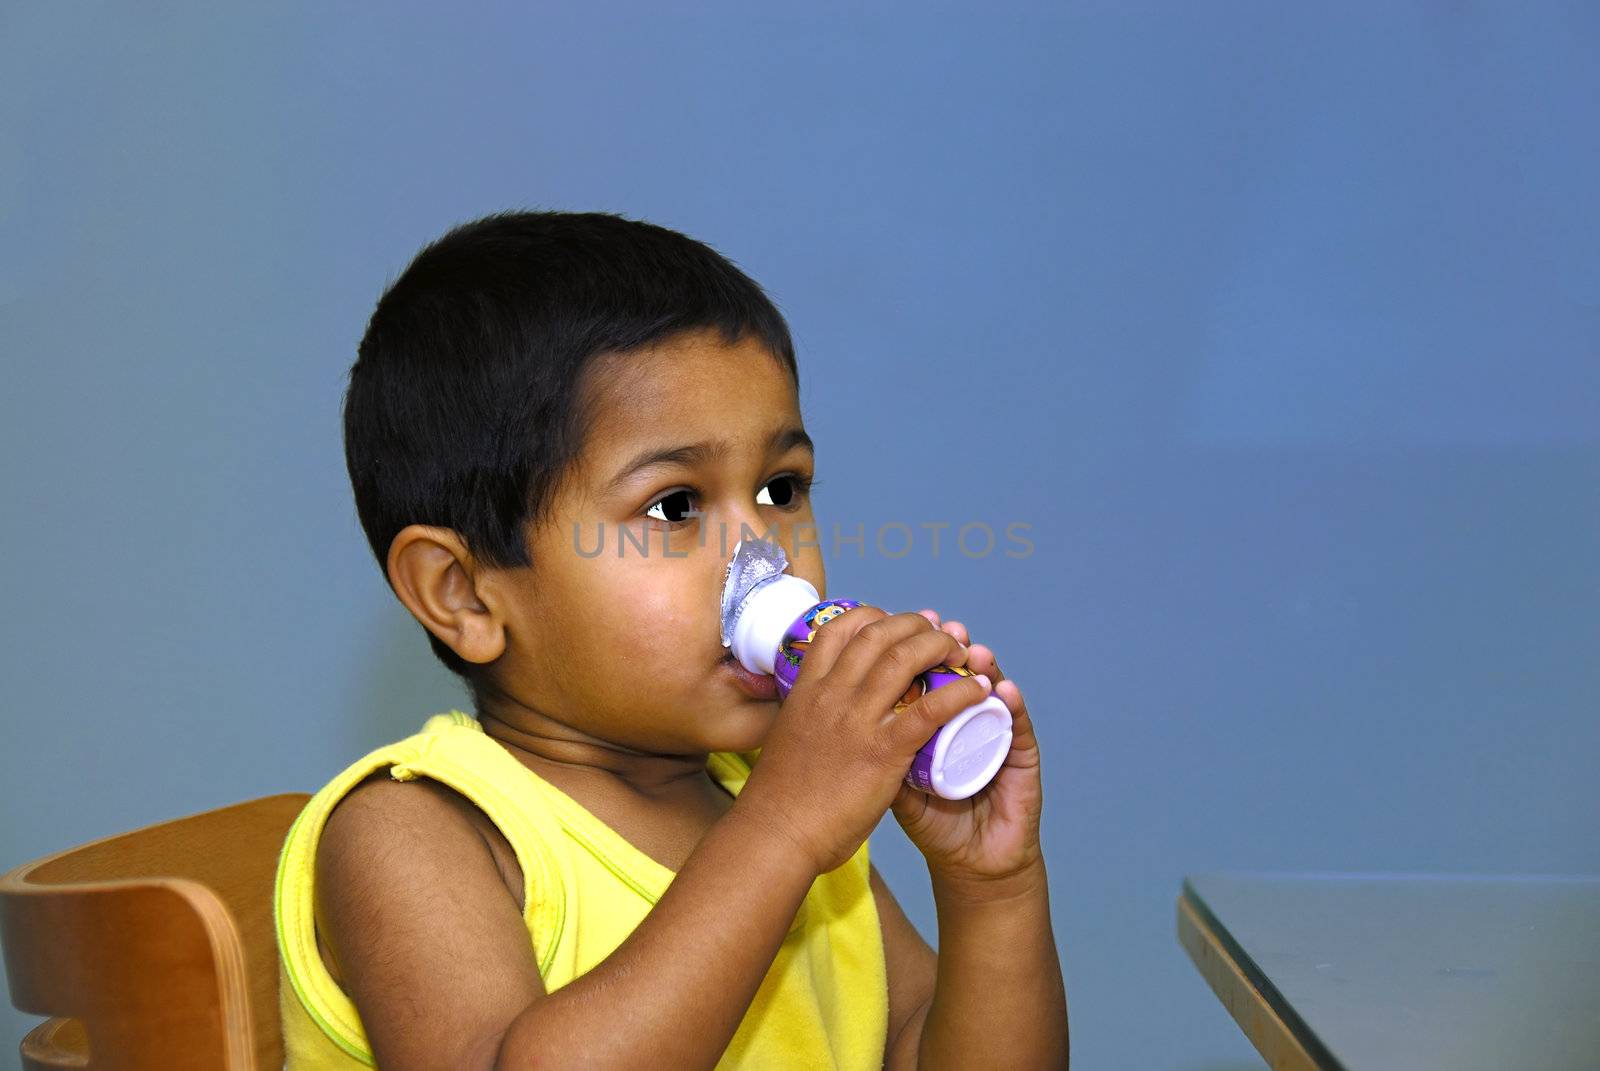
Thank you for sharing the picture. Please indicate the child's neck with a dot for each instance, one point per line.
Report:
(563, 754)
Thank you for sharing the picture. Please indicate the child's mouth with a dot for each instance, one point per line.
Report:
(755, 685)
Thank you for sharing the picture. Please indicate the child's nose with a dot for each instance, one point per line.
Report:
(746, 522)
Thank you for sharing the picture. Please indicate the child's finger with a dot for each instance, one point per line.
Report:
(980, 659)
(1022, 733)
(954, 628)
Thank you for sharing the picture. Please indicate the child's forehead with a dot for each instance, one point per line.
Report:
(696, 390)
(705, 401)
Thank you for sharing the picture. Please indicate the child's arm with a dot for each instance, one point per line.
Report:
(683, 979)
(433, 951)
(988, 947)
(997, 968)
(998, 999)
(427, 940)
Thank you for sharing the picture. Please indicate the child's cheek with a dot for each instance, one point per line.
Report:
(659, 627)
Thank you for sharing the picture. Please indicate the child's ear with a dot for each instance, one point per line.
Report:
(433, 574)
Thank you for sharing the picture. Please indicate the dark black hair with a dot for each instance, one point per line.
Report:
(463, 404)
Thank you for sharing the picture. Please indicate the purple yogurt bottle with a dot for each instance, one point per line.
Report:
(768, 619)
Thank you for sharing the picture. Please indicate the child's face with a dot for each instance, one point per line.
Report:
(626, 649)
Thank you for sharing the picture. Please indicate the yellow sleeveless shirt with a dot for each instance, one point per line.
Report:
(822, 1004)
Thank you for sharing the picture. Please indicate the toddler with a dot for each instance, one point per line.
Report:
(631, 854)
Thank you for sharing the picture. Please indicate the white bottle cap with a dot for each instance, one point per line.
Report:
(970, 749)
(767, 613)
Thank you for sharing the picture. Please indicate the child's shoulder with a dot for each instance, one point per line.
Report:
(409, 900)
(371, 836)
(381, 813)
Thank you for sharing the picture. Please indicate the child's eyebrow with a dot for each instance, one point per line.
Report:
(702, 453)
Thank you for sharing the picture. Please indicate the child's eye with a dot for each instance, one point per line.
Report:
(798, 487)
(675, 504)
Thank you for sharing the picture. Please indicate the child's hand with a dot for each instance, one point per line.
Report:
(837, 753)
(994, 835)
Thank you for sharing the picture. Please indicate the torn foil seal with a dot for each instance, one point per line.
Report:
(754, 562)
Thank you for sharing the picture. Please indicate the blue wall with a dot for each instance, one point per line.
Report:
(1281, 327)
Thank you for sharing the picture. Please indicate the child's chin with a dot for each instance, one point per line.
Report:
(747, 725)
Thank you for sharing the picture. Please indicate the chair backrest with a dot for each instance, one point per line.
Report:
(155, 948)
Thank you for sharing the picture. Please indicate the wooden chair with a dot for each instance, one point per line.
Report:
(155, 948)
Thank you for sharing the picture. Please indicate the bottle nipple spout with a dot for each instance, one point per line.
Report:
(754, 562)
